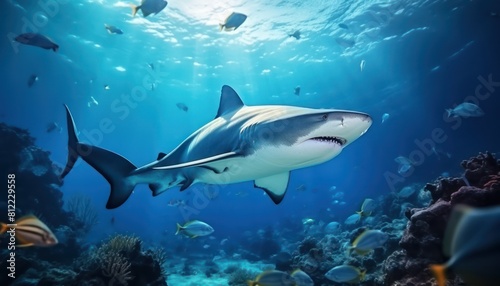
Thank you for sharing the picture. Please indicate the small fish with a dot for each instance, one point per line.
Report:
(112, 220)
(32, 79)
(493, 14)
(38, 40)
(53, 126)
(472, 241)
(405, 165)
(306, 221)
(296, 90)
(301, 188)
(232, 22)
(224, 241)
(367, 207)
(30, 231)
(367, 241)
(206, 246)
(182, 106)
(362, 65)
(352, 219)
(112, 29)
(343, 26)
(295, 34)
(194, 229)
(149, 7)
(333, 227)
(273, 278)
(151, 66)
(465, 109)
(385, 117)
(106, 87)
(406, 192)
(301, 278)
(346, 274)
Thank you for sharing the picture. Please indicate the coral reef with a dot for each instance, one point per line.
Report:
(239, 276)
(118, 261)
(422, 240)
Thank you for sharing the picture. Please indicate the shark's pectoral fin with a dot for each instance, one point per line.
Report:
(158, 188)
(275, 186)
(199, 162)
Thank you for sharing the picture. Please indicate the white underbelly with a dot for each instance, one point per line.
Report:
(242, 169)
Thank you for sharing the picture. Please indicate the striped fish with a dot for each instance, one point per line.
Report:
(30, 231)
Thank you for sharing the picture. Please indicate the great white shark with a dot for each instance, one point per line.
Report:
(262, 143)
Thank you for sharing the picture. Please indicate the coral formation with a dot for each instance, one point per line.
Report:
(118, 261)
(422, 240)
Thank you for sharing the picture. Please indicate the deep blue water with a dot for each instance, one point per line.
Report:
(421, 58)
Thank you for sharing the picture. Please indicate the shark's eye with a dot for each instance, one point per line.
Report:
(324, 117)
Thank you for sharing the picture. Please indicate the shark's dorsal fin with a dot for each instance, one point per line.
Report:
(275, 186)
(229, 101)
(161, 155)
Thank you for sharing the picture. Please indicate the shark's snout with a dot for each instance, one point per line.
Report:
(350, 125)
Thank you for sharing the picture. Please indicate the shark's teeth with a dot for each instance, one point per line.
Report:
(336, 140)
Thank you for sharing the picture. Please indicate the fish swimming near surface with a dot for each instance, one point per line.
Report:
(30, 231)
(362, 65)
(367, 241)
(232, 22)
(296, 90)
(112, 29)
(345, 274)
(343, 26)
(231, 149)
(465, 109)
(194, 229)
(472, 241)
(273, 278)
(32, 79)
(182, 106)
(385, 117)
(295, 34)
(37, 40)
(149, 7)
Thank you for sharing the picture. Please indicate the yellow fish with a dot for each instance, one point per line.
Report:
(30, 231)
(472, 241)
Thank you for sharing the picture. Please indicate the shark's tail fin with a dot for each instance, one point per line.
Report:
(113, 167)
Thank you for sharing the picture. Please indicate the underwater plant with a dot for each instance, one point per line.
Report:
(81, 206)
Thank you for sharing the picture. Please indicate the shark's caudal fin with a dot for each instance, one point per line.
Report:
(113, 167)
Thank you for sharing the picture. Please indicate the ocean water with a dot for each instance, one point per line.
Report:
(420, 58)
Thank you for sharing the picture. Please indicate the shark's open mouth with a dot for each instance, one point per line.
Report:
(330, 139)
